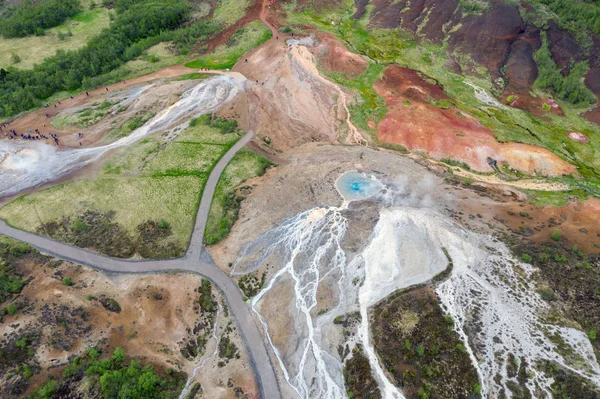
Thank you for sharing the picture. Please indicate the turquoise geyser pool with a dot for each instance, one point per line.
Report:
(356, 186)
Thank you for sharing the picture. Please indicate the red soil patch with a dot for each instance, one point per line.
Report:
(208, 46)
(449, 133)
(335, 57)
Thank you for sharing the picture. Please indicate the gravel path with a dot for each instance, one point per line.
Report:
(195, 260)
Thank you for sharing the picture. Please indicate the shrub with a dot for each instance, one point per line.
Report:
(67, 281)
(163, 224)
(15, 59)
(79, 225)
(556, 235)
(543, 258)
(10, 309)
(546, 107)
(592, 335)
(546, 293)
(31, 17)
(560, 258)
(526, 258)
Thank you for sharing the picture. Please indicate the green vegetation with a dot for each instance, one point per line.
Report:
(251, 285)
(137, 26)
(206, 300)
(229, 11)
(192, 76)
(570, 88)
(113, 377)
(372, 107)
(84, 117)
(11, 282)
(227, 199)
(556, 235)
(120, 211)
(242, 41)
(67, 281)
(129, 126)
(475, 6)
(30, 17)
(358, 378)
(34, 49)
(576, 16)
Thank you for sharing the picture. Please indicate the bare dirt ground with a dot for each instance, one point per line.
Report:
(412, 121)
(158, 317)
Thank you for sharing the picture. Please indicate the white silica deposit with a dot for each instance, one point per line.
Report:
(26, 164)
(489, 293)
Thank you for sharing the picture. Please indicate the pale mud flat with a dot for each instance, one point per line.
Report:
(338, 257)
(157, 314)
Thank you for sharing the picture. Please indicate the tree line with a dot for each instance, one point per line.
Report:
(138, 25)
(570, 88)
(577, 15)
(31, 17)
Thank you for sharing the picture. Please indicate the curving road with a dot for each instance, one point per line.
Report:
(195, 260)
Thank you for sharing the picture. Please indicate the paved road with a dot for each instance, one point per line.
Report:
(195, 261)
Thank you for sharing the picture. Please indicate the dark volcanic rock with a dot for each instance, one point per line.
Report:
(488, 37)
(564, 48)
(521, 69)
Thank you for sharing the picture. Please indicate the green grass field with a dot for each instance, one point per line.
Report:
(242, 41)
(229, 11)
(33, 49)
(226, 202)
(150, 180)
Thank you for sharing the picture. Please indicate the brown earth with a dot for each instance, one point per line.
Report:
(291, 104)
(333, 56)
(413, 122)
(158, 315)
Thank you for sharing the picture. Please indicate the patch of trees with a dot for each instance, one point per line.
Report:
(140, 25)
(32, 17)
(570, 88)
(117, 379)
(577, 14)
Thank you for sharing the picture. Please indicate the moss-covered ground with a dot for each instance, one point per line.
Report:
(150, 191)
(242, 41)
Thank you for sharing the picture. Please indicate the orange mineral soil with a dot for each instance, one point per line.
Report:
(415, 123)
